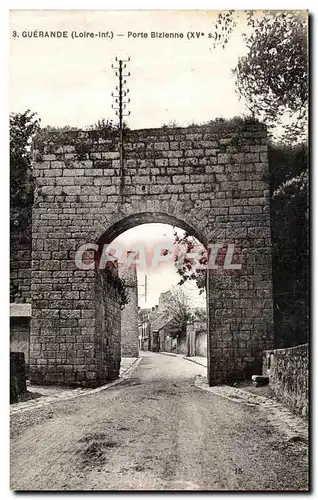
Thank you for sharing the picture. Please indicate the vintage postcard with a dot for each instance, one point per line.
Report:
(159, 257)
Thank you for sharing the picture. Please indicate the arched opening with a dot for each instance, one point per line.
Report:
(137, 219)
(163, 314)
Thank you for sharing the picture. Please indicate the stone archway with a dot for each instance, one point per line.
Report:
(119, 227)
(206, 179)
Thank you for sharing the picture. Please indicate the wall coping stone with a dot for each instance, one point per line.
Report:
(20, 310)
(270, 351)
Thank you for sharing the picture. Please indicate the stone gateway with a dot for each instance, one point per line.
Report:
(208, 180)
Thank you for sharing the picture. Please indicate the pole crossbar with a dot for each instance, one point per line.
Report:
(120, 107)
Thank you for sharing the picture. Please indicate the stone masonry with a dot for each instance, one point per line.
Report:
(106, 338)
(20, 266)
(129, 314)
(207, 180)
(288, 373)
(87, 350)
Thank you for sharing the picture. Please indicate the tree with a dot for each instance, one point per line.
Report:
(194, 268)
(23, 127)
(186, 267)
(286, 161)
(179, 311)
(290, 241)
(272, 77)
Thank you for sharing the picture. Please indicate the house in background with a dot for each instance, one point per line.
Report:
(144, 329)
(155, 334)
(151, 330)
(160, 339)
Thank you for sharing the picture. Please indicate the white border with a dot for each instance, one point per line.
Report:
(4, 185)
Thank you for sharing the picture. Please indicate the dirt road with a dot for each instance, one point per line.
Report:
(154, 431)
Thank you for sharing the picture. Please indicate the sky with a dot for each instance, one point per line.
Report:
(159, 278)
(69, 82)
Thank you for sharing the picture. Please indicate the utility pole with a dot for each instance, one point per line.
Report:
(145, 286)
(120, 107)
(145, 314)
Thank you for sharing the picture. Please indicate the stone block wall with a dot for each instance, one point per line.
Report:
(201, 344)
(182, 345)
(107, 336)
(197, 335)
(129, 314)
(20, 266)
(207, 180)
(288, 376)
(163, 343)
(167, 343)
(190, 333)
(154, 341)
(78, 345)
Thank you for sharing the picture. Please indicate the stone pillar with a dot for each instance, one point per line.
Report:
(75, 333)
(240, 315)
(107, 327)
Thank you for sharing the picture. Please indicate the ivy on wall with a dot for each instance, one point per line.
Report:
(119, 284)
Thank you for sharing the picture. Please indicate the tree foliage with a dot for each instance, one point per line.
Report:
(290, 243)
(272, 77)
(225, 24)
(119, 284)
(107, 126)
(23, 127)
(178, 309)
(186, 267)
(285, 162)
